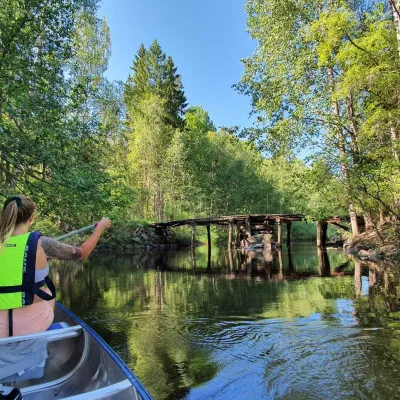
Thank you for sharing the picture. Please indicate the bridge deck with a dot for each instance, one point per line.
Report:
(256, 219)
(247, 224)
(232, 219)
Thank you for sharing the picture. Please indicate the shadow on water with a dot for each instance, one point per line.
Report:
(246, 324)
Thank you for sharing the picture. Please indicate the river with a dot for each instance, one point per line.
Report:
(246, 324)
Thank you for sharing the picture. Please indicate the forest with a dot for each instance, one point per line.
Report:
(324, 84)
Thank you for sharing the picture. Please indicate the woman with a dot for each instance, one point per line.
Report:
(26, 305)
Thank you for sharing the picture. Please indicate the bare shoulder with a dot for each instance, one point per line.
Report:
(58, 250)
(41, 259)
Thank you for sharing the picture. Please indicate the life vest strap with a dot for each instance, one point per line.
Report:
(41, 293)
(29, 287)
(10, 323)
(11, 289)
(34, 288)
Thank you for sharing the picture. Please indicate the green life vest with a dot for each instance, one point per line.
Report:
(17, 273)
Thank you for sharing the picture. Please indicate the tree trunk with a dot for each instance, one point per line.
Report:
(2, 173)
(353, 126)
(158, 203)
(357, 278)
(353, 220)
(393, 137)
(342, 152)
(369, 225)
(381, 218)
(8, 174)
(395, 6)
(44, 171)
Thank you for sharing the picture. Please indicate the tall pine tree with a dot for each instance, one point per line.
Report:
(155, 73)
(155, 104)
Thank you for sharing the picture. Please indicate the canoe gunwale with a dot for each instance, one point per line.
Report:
(64, 333)
(103, 392)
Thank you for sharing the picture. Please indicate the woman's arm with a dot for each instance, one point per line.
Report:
(61, 251)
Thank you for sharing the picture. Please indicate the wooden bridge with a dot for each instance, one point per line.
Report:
(245, 226)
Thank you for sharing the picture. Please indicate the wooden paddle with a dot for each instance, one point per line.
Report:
(87, 228)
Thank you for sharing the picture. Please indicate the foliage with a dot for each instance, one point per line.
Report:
(325, 77)
(84, 147)
(155, 73)
(54, 131)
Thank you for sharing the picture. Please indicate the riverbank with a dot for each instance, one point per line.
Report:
(382, 244)
(125, 237)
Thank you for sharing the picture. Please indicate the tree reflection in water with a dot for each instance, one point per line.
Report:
(272, 324)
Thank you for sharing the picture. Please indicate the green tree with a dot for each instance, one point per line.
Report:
(305, 86)
(54, 139)
(150, 142)
(154, 72)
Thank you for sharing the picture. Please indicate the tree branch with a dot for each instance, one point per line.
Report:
(329, 123)
(356, 45)
(23, 22)
(396, 10)
(376, 197)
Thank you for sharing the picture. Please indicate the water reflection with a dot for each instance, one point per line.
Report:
(253, 324)
(268, 264)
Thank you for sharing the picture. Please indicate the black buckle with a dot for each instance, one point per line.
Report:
(28, 287)
(32, 287)
(10, 393)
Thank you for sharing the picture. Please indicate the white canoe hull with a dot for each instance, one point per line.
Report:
(80, 366)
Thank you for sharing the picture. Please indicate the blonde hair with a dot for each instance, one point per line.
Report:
(16, 210)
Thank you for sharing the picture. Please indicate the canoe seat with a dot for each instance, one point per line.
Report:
(56, 331)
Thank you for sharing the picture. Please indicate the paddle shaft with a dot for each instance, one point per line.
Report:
(67, 235)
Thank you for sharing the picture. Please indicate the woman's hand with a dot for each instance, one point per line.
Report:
(103, 224)
(91, 242)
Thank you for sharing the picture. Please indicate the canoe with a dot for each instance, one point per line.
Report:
(80, 366)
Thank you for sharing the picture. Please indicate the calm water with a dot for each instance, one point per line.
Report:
(246, 325)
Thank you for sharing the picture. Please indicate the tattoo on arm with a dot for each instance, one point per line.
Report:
(61, 251)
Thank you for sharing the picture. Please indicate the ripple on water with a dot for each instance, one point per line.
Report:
(293, 359)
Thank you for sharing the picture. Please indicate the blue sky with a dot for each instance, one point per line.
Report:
(206, 39)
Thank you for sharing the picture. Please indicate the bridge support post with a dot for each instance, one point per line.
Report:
(290, 262)
(280, 274)
(248, 225)
(237, 236)
(193, 236)
(279, 240)
(230, 236)
(324, 233)
(288, 229)
(322, 227)
(323, 262)
(209, 245)
(319, 233)
(194, 246)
